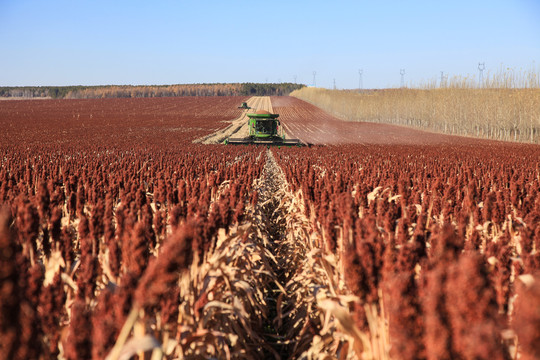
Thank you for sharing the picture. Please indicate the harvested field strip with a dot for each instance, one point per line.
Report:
(239, 126)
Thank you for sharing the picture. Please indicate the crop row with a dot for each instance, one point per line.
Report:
(443, 241)
(104, 206)
(82, 225)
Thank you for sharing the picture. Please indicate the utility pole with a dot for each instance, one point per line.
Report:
(360, 83)
(481, 68)
(402, 73)
(294, 79)
(314, 79)
(334, 83)
(442, 79)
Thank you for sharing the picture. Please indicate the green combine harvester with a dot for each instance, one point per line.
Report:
(244, 106)
(264, 129)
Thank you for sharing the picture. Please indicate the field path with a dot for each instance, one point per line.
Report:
(302, 277)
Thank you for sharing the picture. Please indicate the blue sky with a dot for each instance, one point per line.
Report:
(83, 42)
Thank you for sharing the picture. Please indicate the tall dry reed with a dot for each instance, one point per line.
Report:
(506, 106)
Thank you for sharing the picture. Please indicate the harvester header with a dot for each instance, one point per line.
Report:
(264, 129)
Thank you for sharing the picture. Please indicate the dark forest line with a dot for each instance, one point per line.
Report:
(138, 91)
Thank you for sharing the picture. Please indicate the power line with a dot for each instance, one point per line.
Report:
(314, 80)
(402, 73)
(360, 83)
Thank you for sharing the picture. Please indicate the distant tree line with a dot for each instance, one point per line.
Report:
(137, 91)
(37, 91)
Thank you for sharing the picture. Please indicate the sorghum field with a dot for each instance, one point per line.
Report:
(122, 238)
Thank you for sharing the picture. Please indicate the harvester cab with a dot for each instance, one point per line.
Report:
(264, 129)
(244, 106)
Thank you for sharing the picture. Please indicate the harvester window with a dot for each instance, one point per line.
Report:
(264, 127)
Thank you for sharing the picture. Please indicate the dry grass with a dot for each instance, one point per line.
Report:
(506, 106)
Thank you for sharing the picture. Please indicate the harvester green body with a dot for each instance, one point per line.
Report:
(264, 129)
